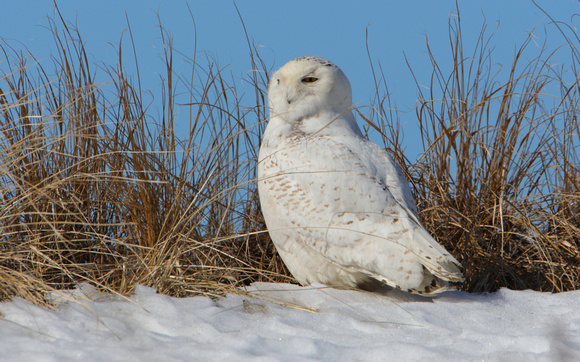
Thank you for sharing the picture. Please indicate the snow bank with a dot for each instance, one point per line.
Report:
(288, 322)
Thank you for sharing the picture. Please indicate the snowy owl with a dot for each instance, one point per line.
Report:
(337, 207)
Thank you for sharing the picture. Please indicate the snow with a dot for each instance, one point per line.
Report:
(288, 322)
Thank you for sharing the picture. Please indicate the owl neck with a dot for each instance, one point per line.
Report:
(323, 124)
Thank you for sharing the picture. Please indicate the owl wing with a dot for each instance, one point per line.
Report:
(347, 200)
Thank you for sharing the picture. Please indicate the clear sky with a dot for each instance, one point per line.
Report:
(284, 30)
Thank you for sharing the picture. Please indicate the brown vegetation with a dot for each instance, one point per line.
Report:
(94, 188)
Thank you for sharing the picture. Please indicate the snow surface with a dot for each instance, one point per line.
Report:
(289, 322)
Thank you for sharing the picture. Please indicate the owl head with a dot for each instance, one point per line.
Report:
(309, 87)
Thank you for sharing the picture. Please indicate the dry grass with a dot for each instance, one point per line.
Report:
(94, 188)
(498, 183)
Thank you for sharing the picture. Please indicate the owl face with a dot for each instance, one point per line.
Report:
(307, 87)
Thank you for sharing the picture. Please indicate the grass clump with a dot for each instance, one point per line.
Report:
(498, 183)
(94, 188)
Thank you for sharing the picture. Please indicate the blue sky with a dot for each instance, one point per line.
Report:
(284, 30)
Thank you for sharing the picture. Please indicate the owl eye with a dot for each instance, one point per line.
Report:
(309, 79)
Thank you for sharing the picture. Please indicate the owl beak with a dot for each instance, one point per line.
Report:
(290, 97)
(293, 94)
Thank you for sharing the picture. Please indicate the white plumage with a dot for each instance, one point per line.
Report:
(337, 207)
